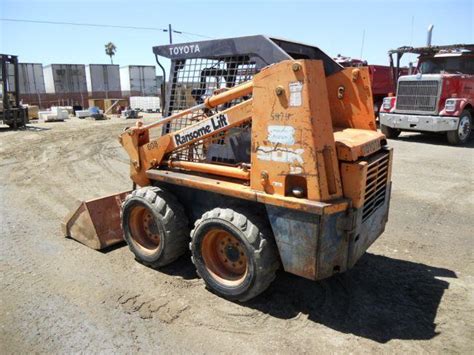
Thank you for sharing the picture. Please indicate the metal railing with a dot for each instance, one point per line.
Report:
(191, 82)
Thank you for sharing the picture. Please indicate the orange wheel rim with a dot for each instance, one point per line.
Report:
(144, 229)
(224, 257)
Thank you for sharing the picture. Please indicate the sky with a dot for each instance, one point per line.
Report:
(334, 26)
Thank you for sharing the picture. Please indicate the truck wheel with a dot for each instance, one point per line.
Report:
(155, 226)
(390, 132)
(235, 255)
(463, 132)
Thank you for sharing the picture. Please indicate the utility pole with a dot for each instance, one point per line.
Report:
(170, 31)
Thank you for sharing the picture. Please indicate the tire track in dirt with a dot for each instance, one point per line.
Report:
(165, 310)
(52, 166)
(62, 297)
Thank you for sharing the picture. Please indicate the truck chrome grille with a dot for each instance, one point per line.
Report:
(376, 183)
(417, 96)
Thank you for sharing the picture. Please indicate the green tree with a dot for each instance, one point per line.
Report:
(110, 50)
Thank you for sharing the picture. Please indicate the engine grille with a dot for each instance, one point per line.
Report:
(376, 183)
(194, 79)
(419, 95)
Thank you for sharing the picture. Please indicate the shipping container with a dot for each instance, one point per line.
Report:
(103, 80)
(31, 78)
(65, 78)
(138, 80)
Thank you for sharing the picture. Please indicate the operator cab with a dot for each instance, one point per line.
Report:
(461, 62)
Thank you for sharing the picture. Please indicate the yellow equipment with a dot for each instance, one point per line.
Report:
(308, 187)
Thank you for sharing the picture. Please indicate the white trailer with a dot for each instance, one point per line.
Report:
(31, 78)
(103, 80)
(138, 80)
(65, 78)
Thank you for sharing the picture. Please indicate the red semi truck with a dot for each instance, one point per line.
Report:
(438, 97)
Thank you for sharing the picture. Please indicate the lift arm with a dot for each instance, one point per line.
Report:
(145, 153)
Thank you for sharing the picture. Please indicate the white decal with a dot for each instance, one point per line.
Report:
(295, 94)
(199, 130)
(296, 170)
(281, 134)
(186, 49)
(280, 155)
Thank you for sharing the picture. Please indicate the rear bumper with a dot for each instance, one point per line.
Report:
(317, 247)
(367, 232)
(419, 122)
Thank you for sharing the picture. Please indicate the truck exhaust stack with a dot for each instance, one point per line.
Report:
(430, 33)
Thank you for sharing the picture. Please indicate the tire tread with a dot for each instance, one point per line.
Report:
(256, 230)
(175, 224)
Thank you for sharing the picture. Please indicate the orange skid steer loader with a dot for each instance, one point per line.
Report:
(308, 185)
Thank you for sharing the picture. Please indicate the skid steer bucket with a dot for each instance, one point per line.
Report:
(96, 223)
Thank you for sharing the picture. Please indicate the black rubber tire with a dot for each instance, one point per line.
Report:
(170, 220)
(390, 132)
(453, 136)
(255, 235)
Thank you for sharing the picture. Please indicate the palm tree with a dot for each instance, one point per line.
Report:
(110, 50)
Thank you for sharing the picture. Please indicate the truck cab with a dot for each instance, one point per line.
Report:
(438, 97)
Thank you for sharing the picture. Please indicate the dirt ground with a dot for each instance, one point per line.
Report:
(412, 292)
